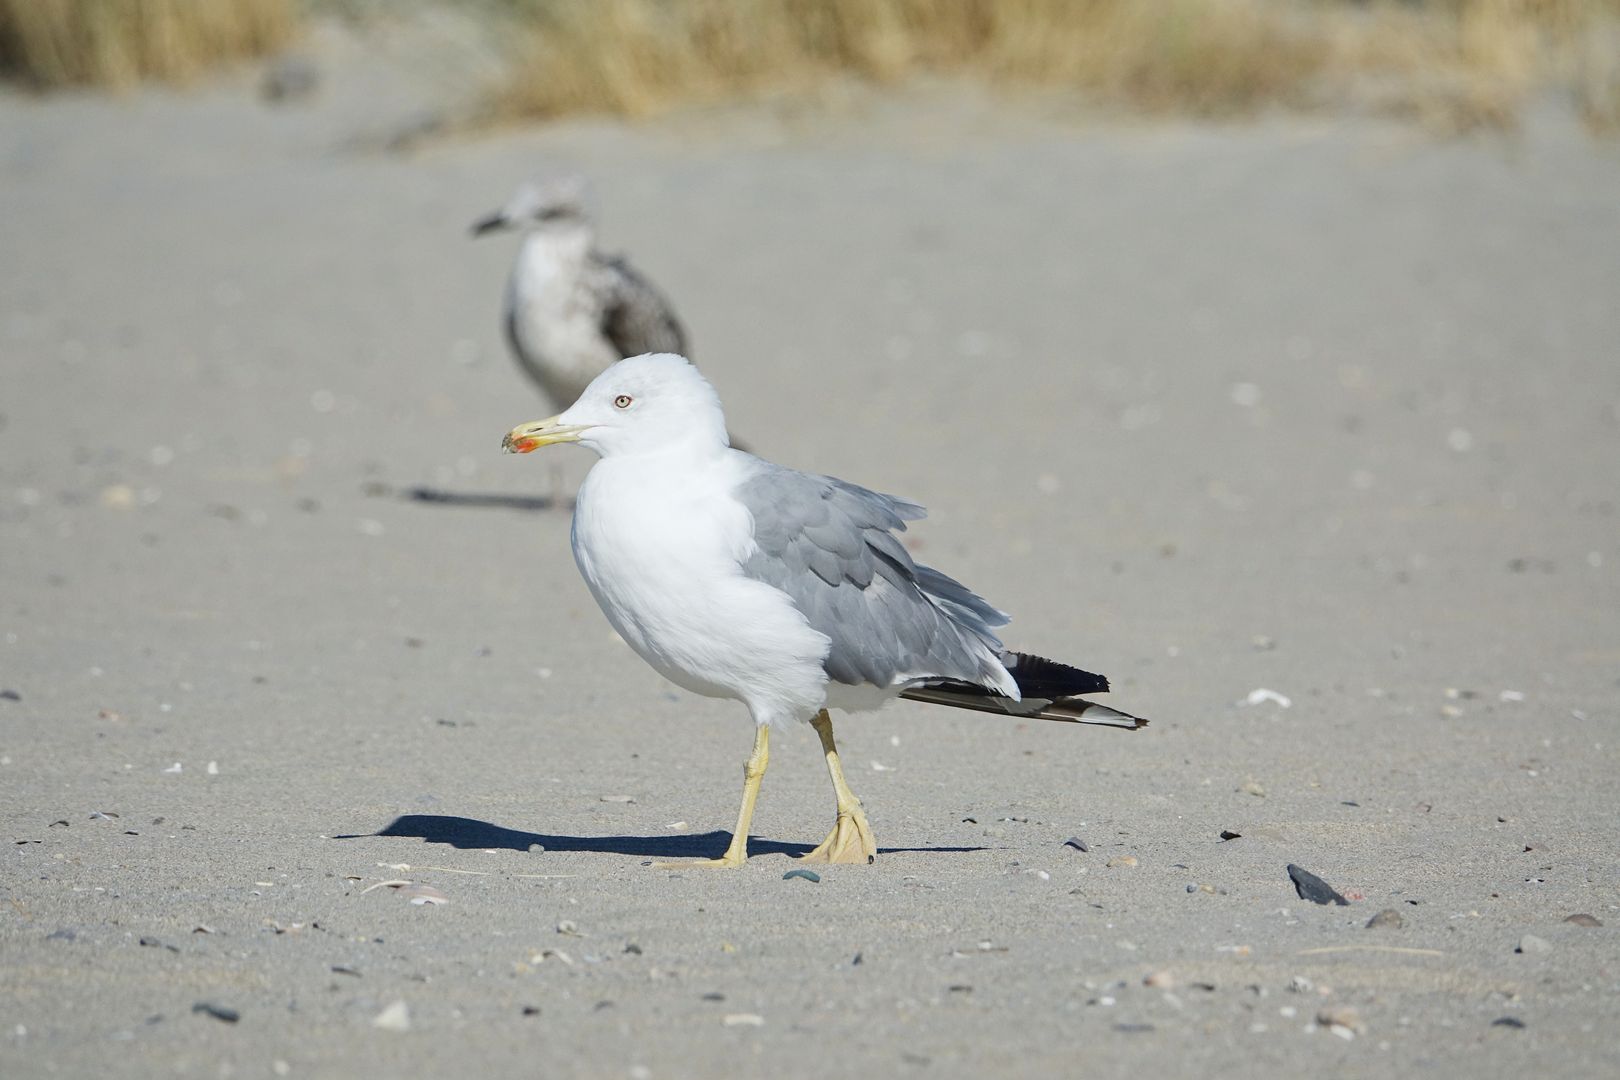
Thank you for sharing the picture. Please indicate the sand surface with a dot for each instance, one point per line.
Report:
(1329, 409)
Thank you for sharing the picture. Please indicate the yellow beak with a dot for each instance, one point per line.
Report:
(527, 437)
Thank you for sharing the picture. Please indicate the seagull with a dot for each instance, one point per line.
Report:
(738, 578)
(570, 310)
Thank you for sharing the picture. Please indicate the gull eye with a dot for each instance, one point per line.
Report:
(622, 401)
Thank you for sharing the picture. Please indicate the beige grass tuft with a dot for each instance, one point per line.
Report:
(1455, 64)
(117, 43)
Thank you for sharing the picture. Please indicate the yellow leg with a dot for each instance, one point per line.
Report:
(851, 839)
(753, 770)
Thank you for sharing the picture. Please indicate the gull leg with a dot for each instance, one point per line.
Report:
(851, 839)
(753, 770)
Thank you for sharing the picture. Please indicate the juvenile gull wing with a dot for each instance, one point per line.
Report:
(636, 317)
(830, 546)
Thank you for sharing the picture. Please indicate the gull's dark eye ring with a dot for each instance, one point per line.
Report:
(622, 401)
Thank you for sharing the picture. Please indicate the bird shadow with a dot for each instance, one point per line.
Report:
(483, 500)
(470, 833)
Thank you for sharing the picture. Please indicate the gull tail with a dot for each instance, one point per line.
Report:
(1049, 691)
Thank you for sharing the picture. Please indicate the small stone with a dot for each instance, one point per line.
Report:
(1163, 980)
(1251, 786)
(618, 798)
(1299, 984)
(1122, 860)
(218, 1012)
(290, 77)
(1076, 843)
(1529, 944)
(1388, 919)
(1343, 1016)
(808, 875)
(1312, 888)
(397, 1017)
(743, 1020)
(1508, 1022)
(567, 928)
(1583, 919)
(422, 895)
(1228, 834)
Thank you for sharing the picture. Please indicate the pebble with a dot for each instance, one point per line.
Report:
(743, 1020)
(290, 77)
(1299, 984)
(1228, 834)
(619, 798)
(1077, 843)
(1252, 786)
(1530, 944)
(218, 1012)
(1342, 1016)
(1161, 979)
(1312, 888)
(397, 1017)
(1507, 1022)
(1388, 919)
(808, 875)
(567, 928)
(1122, 860)
(1583, 919)
(422, 895)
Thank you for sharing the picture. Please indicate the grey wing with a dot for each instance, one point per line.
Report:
(831, 547)
(635, 316)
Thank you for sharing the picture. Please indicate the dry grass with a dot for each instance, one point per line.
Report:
(120, 42)
(1452, 63)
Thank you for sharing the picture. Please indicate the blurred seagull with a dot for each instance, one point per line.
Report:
(570, 310)
(787, 591)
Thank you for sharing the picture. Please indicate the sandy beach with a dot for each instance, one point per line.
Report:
(1324, 408)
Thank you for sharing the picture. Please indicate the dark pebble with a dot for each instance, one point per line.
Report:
(10, 695)
(808, 875)
(218, 1012)
(714, 995)
(63, 934)
(531, 1010)
(345, 969)
(1228, 834)
(1507, 1022)
(960, 988)
(1388, 919)
(154, 943)
(1312, 888)
(1077, 843)
(633, 949)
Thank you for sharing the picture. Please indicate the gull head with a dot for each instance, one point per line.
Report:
(559, 202)
(651, 404)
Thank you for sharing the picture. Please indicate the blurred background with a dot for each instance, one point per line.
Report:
(1452, 63)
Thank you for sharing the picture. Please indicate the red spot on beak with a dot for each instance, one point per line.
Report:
(524, 445)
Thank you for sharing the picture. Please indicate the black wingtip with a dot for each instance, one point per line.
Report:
(1038, 677)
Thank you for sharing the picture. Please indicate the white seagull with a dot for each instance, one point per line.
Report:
(570, 310)
(737, 578)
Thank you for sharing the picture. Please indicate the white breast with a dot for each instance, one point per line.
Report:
(660, 546)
